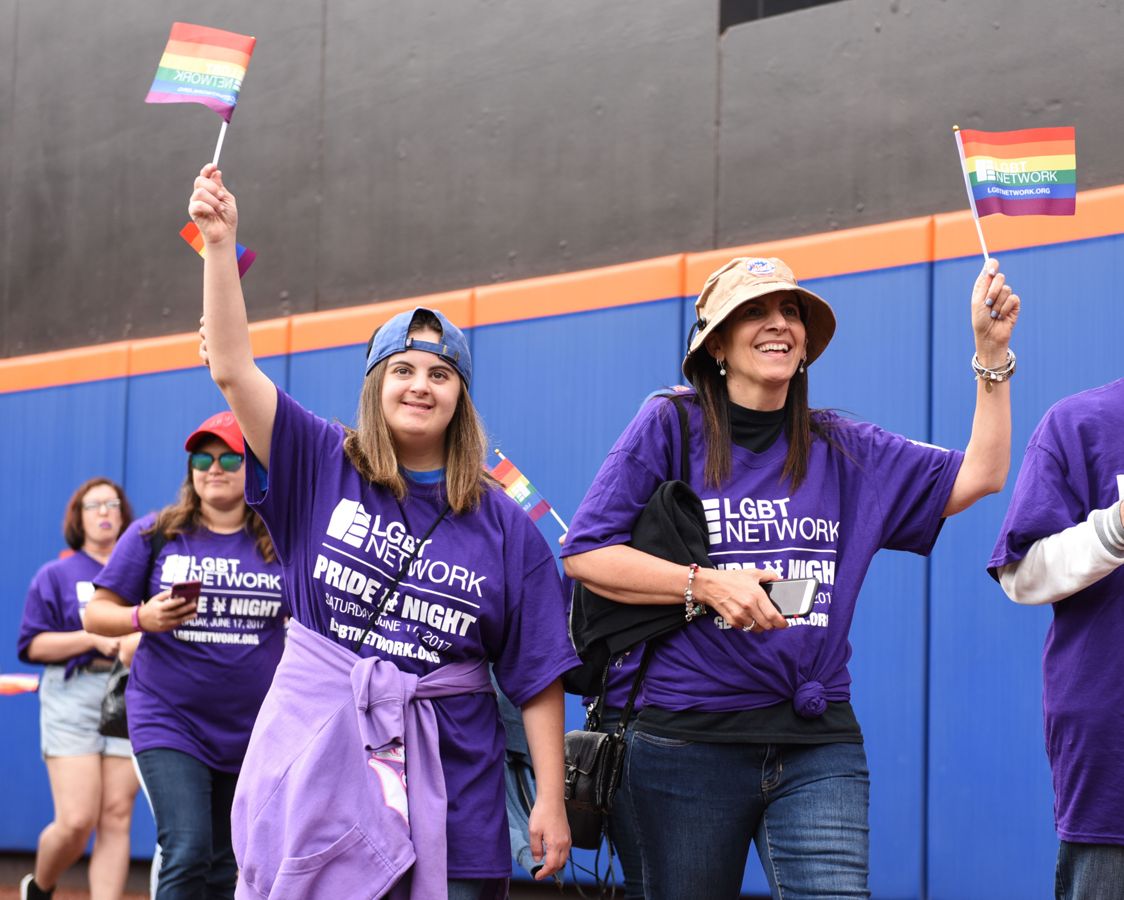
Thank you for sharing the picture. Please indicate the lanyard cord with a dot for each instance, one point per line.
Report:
(402, 570)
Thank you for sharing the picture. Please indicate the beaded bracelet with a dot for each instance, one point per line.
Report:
(693, 609)
(997, 375)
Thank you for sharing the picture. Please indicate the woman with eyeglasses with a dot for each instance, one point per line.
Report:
(201, 583)
(410, 570)
(92, 780)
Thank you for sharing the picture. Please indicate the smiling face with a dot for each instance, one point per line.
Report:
(419, 397)
(101, 520)
(762, 343)
(215, 486)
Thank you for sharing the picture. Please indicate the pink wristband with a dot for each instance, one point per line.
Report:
(136, 619)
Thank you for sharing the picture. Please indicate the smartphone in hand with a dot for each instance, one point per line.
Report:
(186, 590)
(794, 597)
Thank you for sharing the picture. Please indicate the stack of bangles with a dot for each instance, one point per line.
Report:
(997, 375)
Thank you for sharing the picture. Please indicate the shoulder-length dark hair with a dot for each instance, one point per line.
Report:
(72, 529)
(186, 515)
(801, 423)
(370, 445)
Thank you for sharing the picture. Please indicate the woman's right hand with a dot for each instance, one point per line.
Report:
(212, 207)
(737, 596)
(163, 612)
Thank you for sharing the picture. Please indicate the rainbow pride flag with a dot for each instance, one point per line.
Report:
(1032, 172)
(202, 65)
(190, 233)
(517, 487)
(18, 684)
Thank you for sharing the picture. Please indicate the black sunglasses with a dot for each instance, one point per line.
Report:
(230, 461)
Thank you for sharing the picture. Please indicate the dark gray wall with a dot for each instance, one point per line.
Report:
(384, 150)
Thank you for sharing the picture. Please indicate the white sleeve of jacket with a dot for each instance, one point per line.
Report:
(1062, 564)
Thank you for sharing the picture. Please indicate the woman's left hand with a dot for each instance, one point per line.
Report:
(549, 829)
(995, 309)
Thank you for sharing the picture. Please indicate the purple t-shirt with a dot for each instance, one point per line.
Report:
(56, 601)
(198, 688)
(1074, 464)
(874, 490)
(483, 585)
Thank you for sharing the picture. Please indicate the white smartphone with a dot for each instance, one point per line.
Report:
(792, 598)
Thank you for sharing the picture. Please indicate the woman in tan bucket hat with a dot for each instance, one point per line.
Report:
(747, 731)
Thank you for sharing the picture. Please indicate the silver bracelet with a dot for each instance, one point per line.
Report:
(997, 375)
(693, 609)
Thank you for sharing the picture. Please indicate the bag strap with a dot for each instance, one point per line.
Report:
(402, 570)
(626, 713)
(684, 434)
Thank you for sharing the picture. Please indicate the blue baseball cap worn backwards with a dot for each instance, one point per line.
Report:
(394, 337)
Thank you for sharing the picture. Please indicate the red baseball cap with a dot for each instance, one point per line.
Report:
(221, 425)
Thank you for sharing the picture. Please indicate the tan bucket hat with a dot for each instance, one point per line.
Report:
(746, 278)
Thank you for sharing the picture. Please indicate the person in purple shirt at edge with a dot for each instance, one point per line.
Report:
(203, 666)
(1062, 543)
(92, 780)
(747, 732)
(402, 501)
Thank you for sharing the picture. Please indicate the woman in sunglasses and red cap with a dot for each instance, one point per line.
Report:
(747, 731)
(200, 581)
(410, 571)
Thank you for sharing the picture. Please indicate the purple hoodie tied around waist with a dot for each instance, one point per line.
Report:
(321, 808)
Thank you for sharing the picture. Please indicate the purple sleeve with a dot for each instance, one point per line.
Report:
(638, 463)
(41, 611)
(284, 499)
(127, 572)
(911, 483)
(1043, 503)
(536, 645)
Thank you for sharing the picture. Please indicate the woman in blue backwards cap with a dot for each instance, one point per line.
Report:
(408, 571)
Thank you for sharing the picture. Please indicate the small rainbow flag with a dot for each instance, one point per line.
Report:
(18, 684)
(1032, 172)
(190, 233)
(202, 65)
(517, 487)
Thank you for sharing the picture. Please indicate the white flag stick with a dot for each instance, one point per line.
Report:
(218, 146)
(968, 188)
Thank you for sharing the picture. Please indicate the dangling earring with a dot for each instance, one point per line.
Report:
(804, 360)
(722, 367)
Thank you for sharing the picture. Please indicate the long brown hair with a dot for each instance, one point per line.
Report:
(801, 423)
(72, 528)
(186, 515)
(370, 445)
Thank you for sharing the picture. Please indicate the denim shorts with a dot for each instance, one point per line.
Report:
(69, 709)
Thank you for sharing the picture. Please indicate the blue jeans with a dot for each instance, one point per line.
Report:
(622, 827)
(698, 805)
(1089, 872)
(191, 804)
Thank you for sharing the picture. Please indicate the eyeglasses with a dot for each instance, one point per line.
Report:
(230, 461)
(91, 505)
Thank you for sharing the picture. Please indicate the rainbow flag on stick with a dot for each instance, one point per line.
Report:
(1032, 172)
(202, 65)
(519, 489)
(18, 684)
(190, 233)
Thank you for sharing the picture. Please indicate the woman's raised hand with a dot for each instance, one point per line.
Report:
(212, 207)
(995, 309)
(737, 596)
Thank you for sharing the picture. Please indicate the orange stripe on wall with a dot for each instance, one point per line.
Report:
(908, 242)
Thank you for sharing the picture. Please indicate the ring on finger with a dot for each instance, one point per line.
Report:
(752, 624)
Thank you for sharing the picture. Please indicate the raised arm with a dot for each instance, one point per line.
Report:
(987, 458)
(225, 331)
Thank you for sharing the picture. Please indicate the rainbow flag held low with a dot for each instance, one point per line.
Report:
(190, 233)
(18, 684)
(1032, 172)
(517, 487)
(202, 65)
